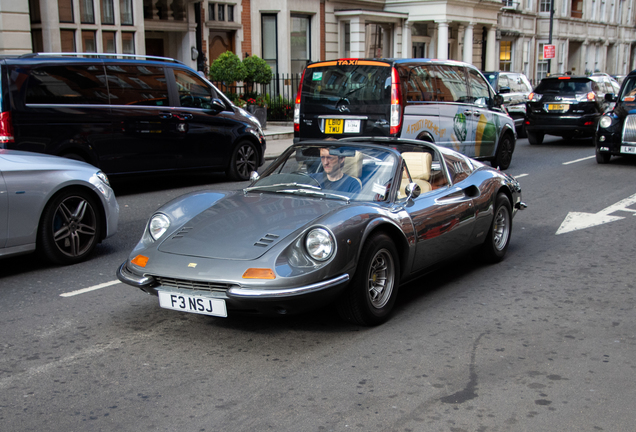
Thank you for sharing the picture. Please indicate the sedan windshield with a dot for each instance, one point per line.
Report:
(347, 172)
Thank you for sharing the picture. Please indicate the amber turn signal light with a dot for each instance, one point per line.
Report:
(259, 273)
(140, 260)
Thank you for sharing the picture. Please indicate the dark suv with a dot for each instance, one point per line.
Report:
(568, 106)
(515, 89)
(616, 131)
(125, 115)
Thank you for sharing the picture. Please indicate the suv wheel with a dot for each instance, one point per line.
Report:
(535, 138)
(244, 161)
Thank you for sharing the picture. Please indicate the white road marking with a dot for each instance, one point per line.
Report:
(579, 160)
(578, 220)
(93, 288)
(521, 175)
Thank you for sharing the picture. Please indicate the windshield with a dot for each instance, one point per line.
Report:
(564, 86)
(628, 92)
(347, 172)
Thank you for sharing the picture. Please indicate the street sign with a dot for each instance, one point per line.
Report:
(549, 51)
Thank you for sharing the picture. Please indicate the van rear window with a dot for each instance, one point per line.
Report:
(582, 85)
(359, 84)
(80, 84)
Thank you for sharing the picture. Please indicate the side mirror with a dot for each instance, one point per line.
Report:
(503, 90)
(254, 176)
(610, 97)
(412, 190)
(218, 105)
(498, 100)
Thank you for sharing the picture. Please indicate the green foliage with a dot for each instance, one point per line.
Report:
(257, 71)
(227, 68)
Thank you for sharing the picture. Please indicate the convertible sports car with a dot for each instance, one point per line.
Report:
(61, 207)
(332, 221)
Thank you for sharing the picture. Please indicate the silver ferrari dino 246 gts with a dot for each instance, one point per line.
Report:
(342, 222)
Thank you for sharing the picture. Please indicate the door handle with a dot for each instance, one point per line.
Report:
(184, 116)
(165, 116)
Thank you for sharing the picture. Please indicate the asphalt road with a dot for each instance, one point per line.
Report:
(544, 341)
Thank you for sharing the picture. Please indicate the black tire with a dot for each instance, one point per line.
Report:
(371, 295)
(496, 244)
(602, 158)
(503, 156)
(535, 138)
(70, 227)
(244, 160)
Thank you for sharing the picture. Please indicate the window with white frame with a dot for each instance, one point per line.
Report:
(542, 64)
(544, 5)
(505, 55)
(269, 40)
(300, 43)
(221, 12)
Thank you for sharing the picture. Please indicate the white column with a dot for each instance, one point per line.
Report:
(468, 43)
(357, 38)
(442, 40)
(491, 44)
(406, 39)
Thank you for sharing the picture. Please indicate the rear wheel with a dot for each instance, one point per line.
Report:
(504, 153)
(370, 297)
(602, 158)
(535, 138)
(244, 160)
(496, 244)
(70, 227)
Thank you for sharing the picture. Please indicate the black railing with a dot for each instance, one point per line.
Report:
(279, 95)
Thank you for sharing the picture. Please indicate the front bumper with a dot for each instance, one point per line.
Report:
(268, 301)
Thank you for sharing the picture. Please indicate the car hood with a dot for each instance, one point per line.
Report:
(245, 226)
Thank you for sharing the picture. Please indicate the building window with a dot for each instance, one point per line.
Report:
(505, 55)
(125, 7)
(108, 42)
(87, 13)
(108, 14)
(65, 10)
(300, 43)
(230, 13)
(88, 41)
(37, 41)
(347, 39)
(269, 40)
(211, 12)
(542, 64)
(128, 42)
(221, 12)
(544, 5)
(419, 49)
(67, 37)
(577, 9)
(34, 11)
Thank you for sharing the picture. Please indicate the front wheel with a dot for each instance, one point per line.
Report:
(244, 160)
(504, 153)
(496, 244)
(535, 138)
(70, 227)
(370, 298)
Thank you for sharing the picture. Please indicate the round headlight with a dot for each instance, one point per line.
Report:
(606, 121)
(158, 225)
(319, 244)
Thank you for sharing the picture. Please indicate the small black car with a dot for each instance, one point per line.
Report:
(515, 89)
(567, 106)
(616, 131)
(125, 115)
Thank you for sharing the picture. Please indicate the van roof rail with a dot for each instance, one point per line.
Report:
(86, 54)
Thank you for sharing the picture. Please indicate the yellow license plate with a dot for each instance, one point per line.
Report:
(558, 107)
(334, 126)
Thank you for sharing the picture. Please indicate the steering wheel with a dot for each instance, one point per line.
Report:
(313, 180)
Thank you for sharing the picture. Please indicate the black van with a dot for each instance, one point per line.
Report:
(125, 115)
(446, 102)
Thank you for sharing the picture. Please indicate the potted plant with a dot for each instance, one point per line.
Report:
(257, 71)
(227, 68)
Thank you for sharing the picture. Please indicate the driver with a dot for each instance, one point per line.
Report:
(332, 177)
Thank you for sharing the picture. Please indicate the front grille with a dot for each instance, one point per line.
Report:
(629, 130)
(191, 284)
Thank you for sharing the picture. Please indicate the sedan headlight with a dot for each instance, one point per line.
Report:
(320, 244)
(158, 225)
(606, 121)
(100, 175)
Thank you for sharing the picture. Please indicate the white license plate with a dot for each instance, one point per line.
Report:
(628, 149)
(192, 303)
(352, 126)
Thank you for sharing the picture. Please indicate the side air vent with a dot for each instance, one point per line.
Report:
(183, 231)
(266, 240)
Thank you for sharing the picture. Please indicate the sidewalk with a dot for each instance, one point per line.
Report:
(278, 136)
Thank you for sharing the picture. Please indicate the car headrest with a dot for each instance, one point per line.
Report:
(419, 164)
(353, 165)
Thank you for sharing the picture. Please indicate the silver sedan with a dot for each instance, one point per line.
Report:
(60, 207)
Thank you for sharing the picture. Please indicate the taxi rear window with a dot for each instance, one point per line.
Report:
(361, 84)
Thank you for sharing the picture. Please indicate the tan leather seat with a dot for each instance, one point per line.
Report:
(419, 165)
(353, 166)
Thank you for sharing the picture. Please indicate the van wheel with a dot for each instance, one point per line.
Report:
(535, 138)
(504, 153)
(244, 160)
(70, 227)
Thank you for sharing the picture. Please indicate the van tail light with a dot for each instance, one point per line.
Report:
(396, 103)
(6, 128)
(297, 104)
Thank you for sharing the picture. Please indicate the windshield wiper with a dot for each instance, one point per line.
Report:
(267, 187)
(315, 193)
